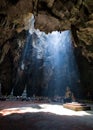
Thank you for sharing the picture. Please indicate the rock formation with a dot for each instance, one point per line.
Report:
(50, 15)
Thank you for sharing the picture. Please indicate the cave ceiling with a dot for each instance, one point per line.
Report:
(50, 15)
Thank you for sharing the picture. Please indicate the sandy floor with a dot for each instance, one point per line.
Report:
(23, 115)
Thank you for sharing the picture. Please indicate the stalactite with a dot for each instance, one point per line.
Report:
(4, 52)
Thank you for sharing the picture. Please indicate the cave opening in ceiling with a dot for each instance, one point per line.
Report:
(47, 65)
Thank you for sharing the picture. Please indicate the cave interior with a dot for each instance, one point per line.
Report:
(47, 53)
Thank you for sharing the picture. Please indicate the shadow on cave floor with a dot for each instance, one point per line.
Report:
(15, 115)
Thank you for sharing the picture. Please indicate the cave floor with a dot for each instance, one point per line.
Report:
(27, 115)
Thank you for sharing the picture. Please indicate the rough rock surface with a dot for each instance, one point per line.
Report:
(50, 15)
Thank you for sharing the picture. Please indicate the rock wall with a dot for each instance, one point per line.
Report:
(76, 15)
